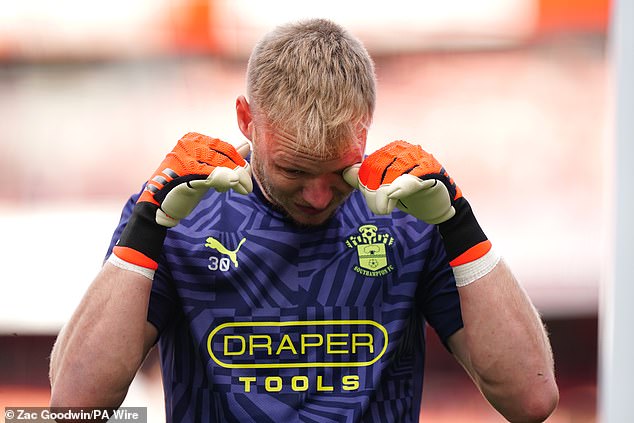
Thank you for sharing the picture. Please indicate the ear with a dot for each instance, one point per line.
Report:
(245, 119)
(363, 138)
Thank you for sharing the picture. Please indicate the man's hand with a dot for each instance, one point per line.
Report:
(196, 164)
(405, 176)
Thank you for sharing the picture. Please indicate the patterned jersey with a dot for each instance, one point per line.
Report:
(262, 320)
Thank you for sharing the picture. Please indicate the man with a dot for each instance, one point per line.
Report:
(295, 297)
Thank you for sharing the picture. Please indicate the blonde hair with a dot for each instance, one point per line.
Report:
(315, 81)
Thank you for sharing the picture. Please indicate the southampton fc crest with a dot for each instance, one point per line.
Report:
(371, 248)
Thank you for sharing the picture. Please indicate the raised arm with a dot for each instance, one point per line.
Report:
(101, 348)
(503, 345)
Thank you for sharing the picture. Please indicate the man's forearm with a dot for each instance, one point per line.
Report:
(509, 355)
(99, 351)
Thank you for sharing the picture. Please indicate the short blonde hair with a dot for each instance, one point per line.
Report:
(315, 81)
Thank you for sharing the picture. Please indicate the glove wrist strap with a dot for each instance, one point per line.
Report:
(126, 265)
(474, 270)
(142, 239)
(462, 236)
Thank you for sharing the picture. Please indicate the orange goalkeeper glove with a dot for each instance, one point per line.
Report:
(405, 176)
(196, 164)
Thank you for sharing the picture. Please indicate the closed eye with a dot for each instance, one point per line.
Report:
(292, 172)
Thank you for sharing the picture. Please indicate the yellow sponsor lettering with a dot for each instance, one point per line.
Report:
(357, 343)
(247, 382)
(228, 339)
(286, 344)
(253, 343)
(237, 344)
(305, 344)
(350, 383)
(321, 387)
(299, 383)
(328, 343)
(273, 384)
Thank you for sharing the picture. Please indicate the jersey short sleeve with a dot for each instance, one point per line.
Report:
(437, 296)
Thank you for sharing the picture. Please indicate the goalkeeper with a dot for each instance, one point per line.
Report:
(294, 282)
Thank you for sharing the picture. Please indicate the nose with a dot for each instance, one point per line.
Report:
(318, 192)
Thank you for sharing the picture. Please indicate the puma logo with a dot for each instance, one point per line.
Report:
(214, 244)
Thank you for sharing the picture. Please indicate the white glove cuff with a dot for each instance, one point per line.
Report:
(122, 264)
(472, 271)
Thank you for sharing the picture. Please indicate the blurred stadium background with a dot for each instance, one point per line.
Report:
(511, 95)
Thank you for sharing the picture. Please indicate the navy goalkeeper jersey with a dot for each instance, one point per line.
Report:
(262, 320)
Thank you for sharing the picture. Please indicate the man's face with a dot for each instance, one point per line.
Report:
(307, 189)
